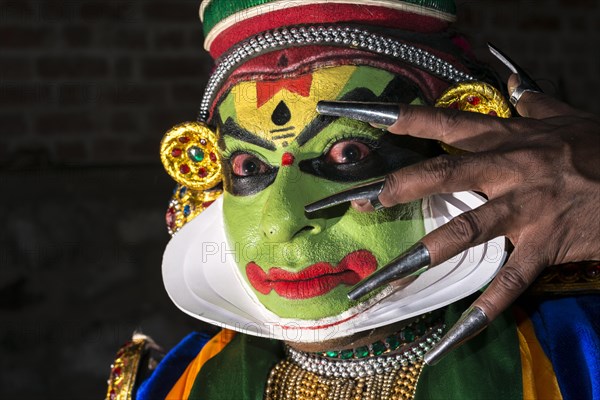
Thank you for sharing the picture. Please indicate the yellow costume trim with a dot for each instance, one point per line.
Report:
(539, 379)
(184, 384)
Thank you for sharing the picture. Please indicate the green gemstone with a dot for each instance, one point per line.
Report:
(196, 154)
(408, 335)
(393, 342)
(421, 328)
(378, 348)
(332, 353)
(346, 354)
(361, 352)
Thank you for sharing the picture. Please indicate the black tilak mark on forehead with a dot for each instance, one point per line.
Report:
(230, 128)
(283, 129)
(322, 122)
(289, 135)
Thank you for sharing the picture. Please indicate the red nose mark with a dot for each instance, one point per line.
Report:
(287, 159)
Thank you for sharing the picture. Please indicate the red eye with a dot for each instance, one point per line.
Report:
(244, 164)
(347, 152)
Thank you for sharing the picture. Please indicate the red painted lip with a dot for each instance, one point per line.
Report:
(314, 280)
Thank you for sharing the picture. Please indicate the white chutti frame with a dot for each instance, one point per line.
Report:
(202, 279)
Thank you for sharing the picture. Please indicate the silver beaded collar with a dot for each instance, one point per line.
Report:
(360, 368)
(339, 36)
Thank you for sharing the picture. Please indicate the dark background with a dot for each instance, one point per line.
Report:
(87, 89)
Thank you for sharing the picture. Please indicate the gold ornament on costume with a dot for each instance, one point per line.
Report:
(477, 97)
(186, 204)
(189, 154)
(127, 365)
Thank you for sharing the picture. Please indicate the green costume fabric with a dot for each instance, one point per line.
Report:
(487, 367)
(240, 371)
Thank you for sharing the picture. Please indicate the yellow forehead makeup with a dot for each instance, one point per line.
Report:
(279, 110)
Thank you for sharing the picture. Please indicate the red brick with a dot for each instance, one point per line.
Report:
(569, 4)
(540, 23)
(111, 10)
(109, 150)
(163, 119)
(17, 9)
(132, 94)
(20, 37)
(13, 124)
(123, 68)
(191, 94)
(58, 10)
(71, 152)
(175, 11)
(125, 122)
(173, 67)
(58, 123)
(76, 94)
(15, 67)
(169, 40)
(124, 38)
(78, 36)
(12, 94)
(72, 67)
(145, 149)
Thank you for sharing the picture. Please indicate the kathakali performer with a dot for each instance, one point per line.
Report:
(248, 257)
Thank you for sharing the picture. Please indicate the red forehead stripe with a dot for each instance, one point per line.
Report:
(266, 90)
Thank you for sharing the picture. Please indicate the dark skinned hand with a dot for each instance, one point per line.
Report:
(540, 173)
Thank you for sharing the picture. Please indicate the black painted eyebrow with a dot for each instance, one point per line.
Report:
(322, 122)
(230, 128)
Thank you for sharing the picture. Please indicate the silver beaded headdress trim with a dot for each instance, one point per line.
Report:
(370, 366)
(340, 36)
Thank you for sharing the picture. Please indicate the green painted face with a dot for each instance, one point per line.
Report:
(279, 155)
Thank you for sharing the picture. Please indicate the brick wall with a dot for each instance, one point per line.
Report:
(98, 82)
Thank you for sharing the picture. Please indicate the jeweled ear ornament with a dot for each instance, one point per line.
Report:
(381, 114)
(406, 264)
(190, 155)
(527, 84)
(368, 192)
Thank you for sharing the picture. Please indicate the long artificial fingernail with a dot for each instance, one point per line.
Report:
(411, 261)
(368, 192)
(381, 114)
(526, 82)
(469, 325)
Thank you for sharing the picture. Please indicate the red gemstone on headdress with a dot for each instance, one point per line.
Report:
(112, 395)
(202, 173)
(184, 169)
(287, 159)
(207, 203)
(454, 106)
(117, 372)
(184, 139)
(493, 113)
(176, 152)
(213, 157)
(170, 218)
(474, 100)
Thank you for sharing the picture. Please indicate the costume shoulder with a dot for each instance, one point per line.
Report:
(142, 371)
